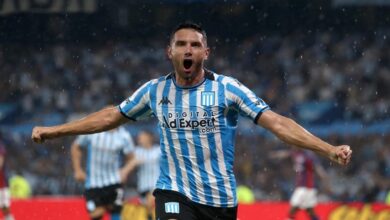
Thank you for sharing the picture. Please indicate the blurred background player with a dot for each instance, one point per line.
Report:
(5, 200)
(103, 176)
(147, 157)
(306, 166)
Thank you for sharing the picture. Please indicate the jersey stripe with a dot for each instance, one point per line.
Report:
(214, 156)
(167, 169)
(205, 192)
(208, 171)
(225, 147)
(182, 139)
(172, 152)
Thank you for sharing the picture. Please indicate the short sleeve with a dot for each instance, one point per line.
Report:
(82, 140)
(245, 100)
(137, 106)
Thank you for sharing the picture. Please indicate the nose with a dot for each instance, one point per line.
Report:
(188, 51)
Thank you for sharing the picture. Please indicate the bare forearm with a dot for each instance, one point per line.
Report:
(290, 132)
(102, 120)
(294, 134)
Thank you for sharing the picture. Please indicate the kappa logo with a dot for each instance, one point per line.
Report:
(164, 101)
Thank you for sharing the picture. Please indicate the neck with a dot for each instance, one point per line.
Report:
(193, 80)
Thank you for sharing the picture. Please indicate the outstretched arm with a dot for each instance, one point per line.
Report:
(103, 120)
(290, 132)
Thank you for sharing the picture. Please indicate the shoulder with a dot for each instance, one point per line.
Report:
(225, 80)
(154, 82)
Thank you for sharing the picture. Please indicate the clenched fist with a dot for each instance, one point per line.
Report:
(342, 154)
(40, 134)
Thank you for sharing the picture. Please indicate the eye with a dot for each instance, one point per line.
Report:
(180, 43)
(196, 44)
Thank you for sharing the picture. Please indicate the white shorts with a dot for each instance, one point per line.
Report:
(4, 197)
(304, 198)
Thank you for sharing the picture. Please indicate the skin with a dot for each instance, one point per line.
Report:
(190, 44)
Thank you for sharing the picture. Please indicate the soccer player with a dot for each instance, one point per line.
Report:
(5, 199)
(306, 165)
(103, 177)
(197, 111)
(147, 158)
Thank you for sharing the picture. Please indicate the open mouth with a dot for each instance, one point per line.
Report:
(187, 63)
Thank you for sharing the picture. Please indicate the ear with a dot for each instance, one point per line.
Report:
(169, 52)
(207, 52)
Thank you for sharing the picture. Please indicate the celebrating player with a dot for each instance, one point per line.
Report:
(197, 110)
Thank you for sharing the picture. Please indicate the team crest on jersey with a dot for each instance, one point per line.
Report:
(172, 207)
(208, 99)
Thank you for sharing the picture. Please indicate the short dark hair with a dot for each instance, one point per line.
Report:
(189, 25)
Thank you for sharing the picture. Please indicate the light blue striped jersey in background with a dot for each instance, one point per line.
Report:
(104, 152)
(149, 167)
(197, 133)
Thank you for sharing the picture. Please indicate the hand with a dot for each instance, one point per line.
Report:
(39, 134)
(80, 175)
(341, 154)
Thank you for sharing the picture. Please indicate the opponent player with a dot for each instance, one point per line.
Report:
(306, 166)
(197, 111)
(103, 177)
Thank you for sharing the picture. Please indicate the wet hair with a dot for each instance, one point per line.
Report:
(189, 25)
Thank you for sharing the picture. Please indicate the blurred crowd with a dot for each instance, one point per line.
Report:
(366, 179)
(351, 71)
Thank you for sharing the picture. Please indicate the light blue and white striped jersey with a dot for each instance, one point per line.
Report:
(197, 133)
(104, 152)
(149, 167)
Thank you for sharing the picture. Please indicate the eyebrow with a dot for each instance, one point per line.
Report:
(191, 42)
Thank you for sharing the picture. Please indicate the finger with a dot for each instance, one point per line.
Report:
(341, 155)
(350, 153)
